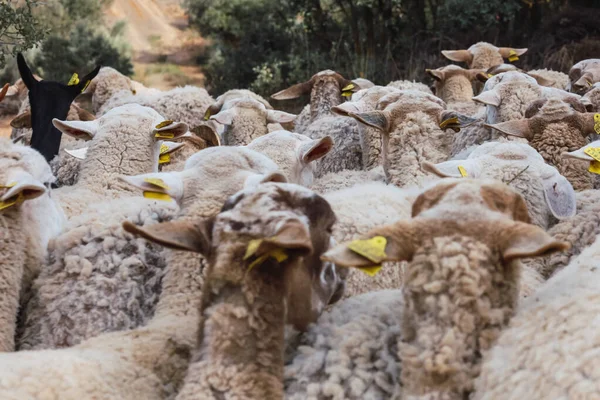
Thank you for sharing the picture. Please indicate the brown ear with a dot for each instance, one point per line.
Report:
(178, 235)
(585, 82)
(84, 115)
(517, 127)
(376, 119)
(208, 133)
(4, 91)
(294, 92)
(293, 235)
(22, 120)
(400, 237)
(521, 240)
(588, 122)
(458, 55)
(499, 198)
(477, 75)
(436, 74)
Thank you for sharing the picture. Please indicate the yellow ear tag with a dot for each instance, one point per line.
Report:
(157, 182)
(463, 171)
(164, 159)
(12, 201)
(449, 121)
(597, 123)
(164, 123)
(490, 75)
(593, 152)
(348, 87)
(589, 82)
(164, 148)
(86, 86)
(164, 135)
(157, 196)
(207, 114)
(512, 56)
(9, 185)
(594, 167)
(347, 94)
(253, 245)
(74, 80)
(372, 249)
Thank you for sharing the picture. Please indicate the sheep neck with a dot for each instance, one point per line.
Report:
(246, 126)
(458, 298)
(456, 89)
(324, 95)
(242, 330)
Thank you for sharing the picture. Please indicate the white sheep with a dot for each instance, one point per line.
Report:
(483, 55)
(124, 141)
(30, 219)
(549, 350)
(462, 246)
(108, 83)
(583, 75)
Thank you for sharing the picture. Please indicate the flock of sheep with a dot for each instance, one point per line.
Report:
(388, 243)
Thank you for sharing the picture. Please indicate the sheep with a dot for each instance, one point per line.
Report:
(293, 153)
(463, 246)
(30, 218)
(49, 100)
(552, 130)
(544, 77)
(583, 75)
(325, 88)
(66, 309)
(123, 141)
(483, 55)
(107, 84)
(453, 84)
(150, 362)
(410, 123)
(246, 119)
(370, 138)
(184, 104)
(304, 118)
(549, 349)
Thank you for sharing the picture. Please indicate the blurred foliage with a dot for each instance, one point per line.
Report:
(268, 44)
(74, 40)
(20, 29)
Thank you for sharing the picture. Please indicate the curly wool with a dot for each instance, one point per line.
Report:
(549, 351)
(418, 138)
(97, 279)
(350, 353)
(346, 179)
(556, 79)
(410, 85)
(183, 104)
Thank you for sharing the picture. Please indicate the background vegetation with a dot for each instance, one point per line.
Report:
(70, 35)
(269, 44)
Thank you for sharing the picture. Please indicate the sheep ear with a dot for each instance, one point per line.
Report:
(84, 130)
(588, 123)
(4, 91)
(580, 154)
(521, 240)
(22, 120)
(376, 119)
(560, 195)
(83, 114)
(517, 127)
(225, 117)
(274, 116)
(79, 154)
(178, 235)
(453, 169)
(165, 183)
(387, 243)
(293, 92)
(25, 72)
(450, 119)
(435, 74)
(489, 98)
(256, 179)
(170, 130)
(541, 80)
(13, 90)
(585, 81)
(348, 107)
(292, 235)
(509, 52)
(458, 55)
(23, 185)
(208, 133)
(481, 77)
(85, 81)
(315, 149)
(171, 147)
